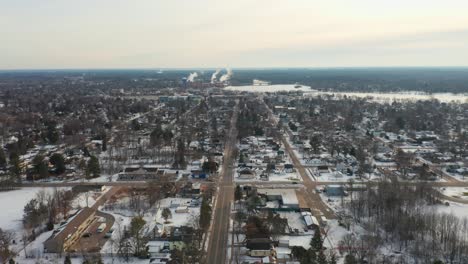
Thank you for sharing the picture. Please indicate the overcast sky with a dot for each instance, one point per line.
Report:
(38, 34)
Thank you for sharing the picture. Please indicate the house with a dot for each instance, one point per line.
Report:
(194, 145)
(268, 260)
(182, 209)
(283, 243)
(140, 173)
(288, 168)
(246, 173)
(260, 247)
(183, 233)
(334, 190)
(196, 188)
(198, 174)
(69, 233)
(310, 220)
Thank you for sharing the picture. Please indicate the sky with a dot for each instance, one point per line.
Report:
(71, 34)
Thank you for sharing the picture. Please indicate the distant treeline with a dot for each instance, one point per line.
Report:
(430, 80)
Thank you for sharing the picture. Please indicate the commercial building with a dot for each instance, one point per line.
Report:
(286, 197)
(70, 232)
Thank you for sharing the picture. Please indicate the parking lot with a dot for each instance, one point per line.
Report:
(94, 238)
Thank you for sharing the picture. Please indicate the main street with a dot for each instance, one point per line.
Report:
(217, 244)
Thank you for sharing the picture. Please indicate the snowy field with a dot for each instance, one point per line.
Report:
(12, 205)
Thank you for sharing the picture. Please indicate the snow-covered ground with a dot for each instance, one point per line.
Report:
(459, 210)
(269, 88)
(181, 218)
(398, 96)
(299, 241)
(284, 176)
(12, 205)
(54, 259)
(152, 217)
(457, 176)
(378, 97)
(279, 177)
(457, 192)
(35, 249)
(86, 199)
(121, 222)
(295, 220)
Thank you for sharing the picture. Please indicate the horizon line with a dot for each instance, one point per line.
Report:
(233, 68)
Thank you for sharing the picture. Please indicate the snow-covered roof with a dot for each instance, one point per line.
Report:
(288, 196)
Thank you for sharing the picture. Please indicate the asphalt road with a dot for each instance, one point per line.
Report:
(217, 244)
(311, 197)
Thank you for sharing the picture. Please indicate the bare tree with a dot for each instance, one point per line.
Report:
(6, 238)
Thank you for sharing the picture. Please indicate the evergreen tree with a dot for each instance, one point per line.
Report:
(350, 259)
(86, 152)
(59, 162)
(193, 253)
(238, 193)
(316, 243)
(104, 141)
(3, 161)
(310, 258)
(166, 214)
(67, 260)
(156, 135)
(210, 166)
(241, 158)
(52, 134)
(321, 258)
(136, 125)
(179, 157)
(15, 167)
(205, 215)
(40, 167)
(298, 253)
(92, 169)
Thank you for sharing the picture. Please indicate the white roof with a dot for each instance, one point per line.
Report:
(287, 195)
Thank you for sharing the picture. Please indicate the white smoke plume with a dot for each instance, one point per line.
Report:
(192, 77)
(226, 77)
(215, 75)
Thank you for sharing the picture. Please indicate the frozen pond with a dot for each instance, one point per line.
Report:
(380, 97)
